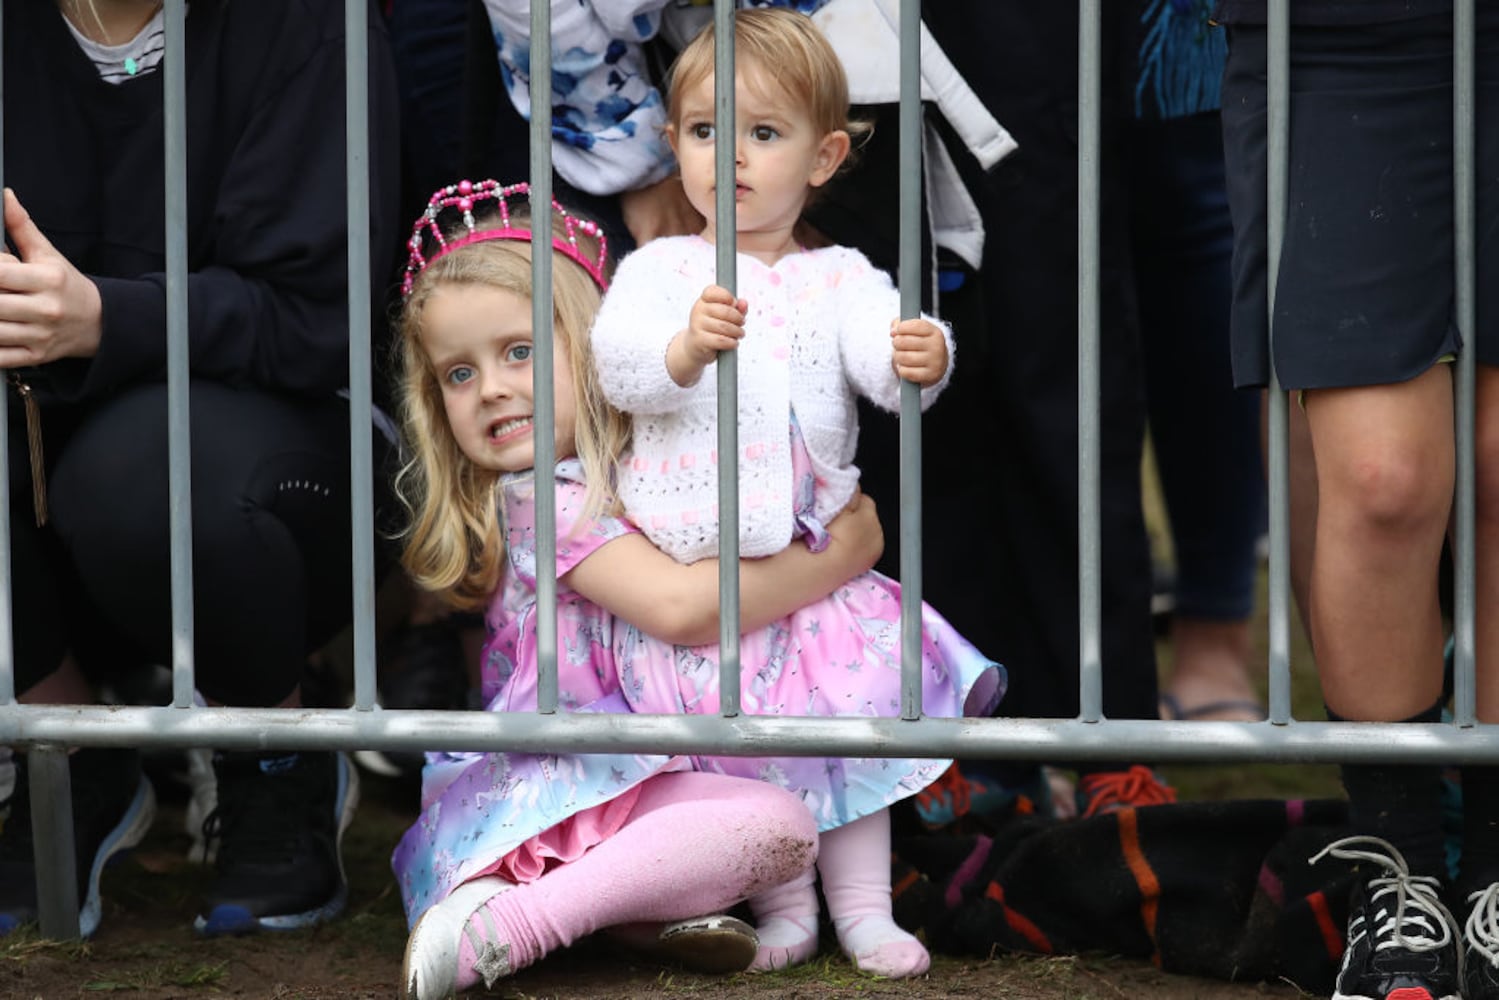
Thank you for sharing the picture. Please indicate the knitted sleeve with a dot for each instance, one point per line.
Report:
(867, 304)
(648, 302)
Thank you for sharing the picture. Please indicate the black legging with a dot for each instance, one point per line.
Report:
(271, 538)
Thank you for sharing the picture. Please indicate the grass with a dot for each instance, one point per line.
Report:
(171, 974)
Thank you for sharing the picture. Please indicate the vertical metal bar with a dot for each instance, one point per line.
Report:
(179, 472)
(1464, 221)
(910, 393)
(52, 840)
(1089, 529)
(361, 473)
(1278, 105)
(726, 243)
(544, 363)
(7, 605)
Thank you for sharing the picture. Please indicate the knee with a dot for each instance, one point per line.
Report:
(1394, 491)
(783, 833)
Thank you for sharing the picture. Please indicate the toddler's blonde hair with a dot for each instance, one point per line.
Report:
(791, 54)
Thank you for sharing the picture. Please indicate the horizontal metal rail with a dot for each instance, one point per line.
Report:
(586, 732)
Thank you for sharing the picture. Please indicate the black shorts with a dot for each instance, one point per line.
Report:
(1366, 293)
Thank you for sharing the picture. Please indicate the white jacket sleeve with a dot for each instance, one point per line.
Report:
(648, 302)
(868, 304)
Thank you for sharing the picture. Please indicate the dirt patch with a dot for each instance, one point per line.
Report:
(146, 948)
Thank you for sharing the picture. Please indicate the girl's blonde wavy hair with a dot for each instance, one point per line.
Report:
(453, 544)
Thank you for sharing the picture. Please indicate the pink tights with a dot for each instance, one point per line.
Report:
(695, 843)
(854, 861)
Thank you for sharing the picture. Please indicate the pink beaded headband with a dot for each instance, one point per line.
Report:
(427, 235)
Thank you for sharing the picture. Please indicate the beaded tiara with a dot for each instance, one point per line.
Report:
(428, 243)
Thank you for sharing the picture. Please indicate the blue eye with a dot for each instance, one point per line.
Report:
(520, 352)
(459, 375)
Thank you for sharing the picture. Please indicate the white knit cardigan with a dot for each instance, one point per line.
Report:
(817, 333)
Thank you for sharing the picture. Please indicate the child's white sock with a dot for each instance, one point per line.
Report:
(786, 923)
(855, 864)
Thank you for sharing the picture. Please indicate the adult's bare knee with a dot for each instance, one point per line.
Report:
(1390, 492)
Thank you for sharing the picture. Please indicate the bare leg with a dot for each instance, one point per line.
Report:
(1210, 669)
(64, 686)
(1486, 544)
(1384, 483)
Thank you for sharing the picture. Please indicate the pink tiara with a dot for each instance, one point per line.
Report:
(428, 243)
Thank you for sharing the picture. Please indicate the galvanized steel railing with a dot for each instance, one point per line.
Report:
(47, 730)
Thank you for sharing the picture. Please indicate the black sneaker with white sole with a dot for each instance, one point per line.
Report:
(1481, 944)
(113, 807)
(278, 826)
(1403, 943)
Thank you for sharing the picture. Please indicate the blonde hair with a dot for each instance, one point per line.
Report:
(792, 53)
(452, 543)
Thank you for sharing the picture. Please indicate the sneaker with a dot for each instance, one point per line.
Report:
(1402, 941)
(430, 967)
(955, 794)
(279, 825)
(1110, 791)
(202, 800)
(1481, 936)
(113, 806)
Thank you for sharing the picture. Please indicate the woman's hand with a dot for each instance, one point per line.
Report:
(858, 539)
(48, 308)
(659, 209)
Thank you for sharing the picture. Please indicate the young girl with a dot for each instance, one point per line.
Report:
(809, 332)
(515, 855)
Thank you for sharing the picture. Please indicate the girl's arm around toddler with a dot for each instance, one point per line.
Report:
(678, 603)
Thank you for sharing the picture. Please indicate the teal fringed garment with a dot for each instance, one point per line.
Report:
(1180, 65)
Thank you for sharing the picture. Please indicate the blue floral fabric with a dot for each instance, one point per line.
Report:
(607, 113)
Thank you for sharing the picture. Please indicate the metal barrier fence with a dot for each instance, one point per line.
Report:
(46, 731)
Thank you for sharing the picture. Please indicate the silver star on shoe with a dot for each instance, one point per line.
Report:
(493, 962)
